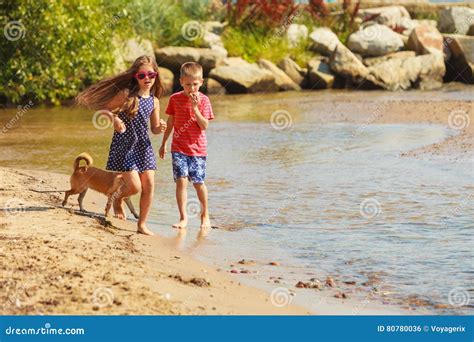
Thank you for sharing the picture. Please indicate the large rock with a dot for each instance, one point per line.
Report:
(324, 41)
(167, 80)
(214, 26)
(375, 40)
(244, 78)
(423, 72)
(455, 19)
(211, 39)
(296, 33)
(319, 75)
(134, 48)
(283, 81)
(235, 61)
(407, 25)
(425, 22)
(390, 15)
(211, 86)
(127, 51)
(172, 57)
(471, 30)
(427, 71)
(293, 70)
(346, 64)
(371, 61)
(461, 64)
(425, 39)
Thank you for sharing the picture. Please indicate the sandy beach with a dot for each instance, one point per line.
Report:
(60, 261)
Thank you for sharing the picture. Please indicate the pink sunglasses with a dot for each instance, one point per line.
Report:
(142, 75)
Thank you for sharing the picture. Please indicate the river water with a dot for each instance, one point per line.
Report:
(322, 199)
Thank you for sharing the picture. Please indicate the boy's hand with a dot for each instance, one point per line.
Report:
(119, 126)
(194, 99)
(162, 151)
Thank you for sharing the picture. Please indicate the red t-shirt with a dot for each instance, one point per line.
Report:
(188, 138)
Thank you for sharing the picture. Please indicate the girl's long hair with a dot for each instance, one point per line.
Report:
(120, 93)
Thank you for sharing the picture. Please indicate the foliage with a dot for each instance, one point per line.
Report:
(54, 48)
(261, 14)
(64, 46)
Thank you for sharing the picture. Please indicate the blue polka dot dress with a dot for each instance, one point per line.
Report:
(132, 150)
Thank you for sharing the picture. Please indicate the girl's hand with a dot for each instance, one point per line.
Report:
(162, 126)
(119, 126)
(162, 151)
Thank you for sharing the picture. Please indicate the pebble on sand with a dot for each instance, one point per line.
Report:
(330, 282)
(340, 295)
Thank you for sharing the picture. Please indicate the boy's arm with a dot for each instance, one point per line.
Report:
(158, 125)
(169, 129)
(202, 122)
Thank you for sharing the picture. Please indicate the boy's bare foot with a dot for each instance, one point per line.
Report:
(202, 233)
(144, 230)
(118, 209)
(205, 222)
(181, 224)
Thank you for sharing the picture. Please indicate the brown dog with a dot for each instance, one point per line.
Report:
(107, 182)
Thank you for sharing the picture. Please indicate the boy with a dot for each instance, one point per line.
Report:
(189, 114)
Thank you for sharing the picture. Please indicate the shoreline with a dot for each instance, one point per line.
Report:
(39, 233)
(58, 261)
(61, 261)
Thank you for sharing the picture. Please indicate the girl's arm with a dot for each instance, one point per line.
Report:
(158, 125)
(119, 126)
(117, 101)
(169, 129)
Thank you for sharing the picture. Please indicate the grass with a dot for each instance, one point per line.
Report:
(253, 45)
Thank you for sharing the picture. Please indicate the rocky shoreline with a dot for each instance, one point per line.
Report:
(390, 51)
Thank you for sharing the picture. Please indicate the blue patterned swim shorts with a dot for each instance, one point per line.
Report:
(188, 166)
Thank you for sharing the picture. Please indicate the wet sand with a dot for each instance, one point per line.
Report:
(58, 261)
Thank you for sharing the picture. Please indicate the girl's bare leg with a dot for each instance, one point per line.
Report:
(147, 179)
(181, 199)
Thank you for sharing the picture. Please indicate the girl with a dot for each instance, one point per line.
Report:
(130, 99)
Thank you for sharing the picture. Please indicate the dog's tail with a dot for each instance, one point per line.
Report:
(83, 156)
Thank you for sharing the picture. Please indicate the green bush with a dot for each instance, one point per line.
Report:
(55, 48)
(162, 21)
(253, 45)
(159, 21)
